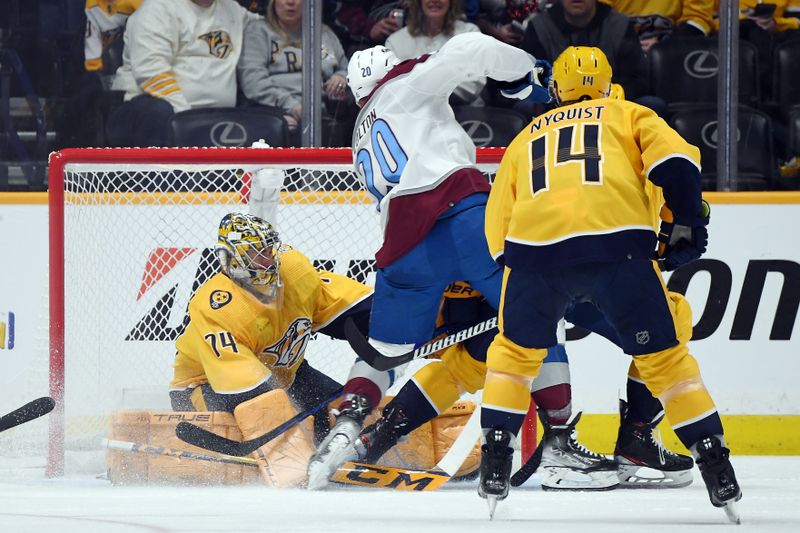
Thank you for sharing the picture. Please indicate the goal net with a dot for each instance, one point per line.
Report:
(131, 237)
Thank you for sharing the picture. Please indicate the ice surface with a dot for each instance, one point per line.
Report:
(771, 503)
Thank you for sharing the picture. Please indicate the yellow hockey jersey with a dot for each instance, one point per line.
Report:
(571, 186)
(105, 22)
(698, 13)
(235, 343)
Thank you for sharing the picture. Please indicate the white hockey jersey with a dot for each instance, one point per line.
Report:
(183, 52)
(408, 149)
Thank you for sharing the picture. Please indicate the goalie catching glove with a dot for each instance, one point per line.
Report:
(533, 87)
(680, 244)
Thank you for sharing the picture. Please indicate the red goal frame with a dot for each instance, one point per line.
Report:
(212, 156)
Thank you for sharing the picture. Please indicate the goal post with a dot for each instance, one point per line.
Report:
(131, 233)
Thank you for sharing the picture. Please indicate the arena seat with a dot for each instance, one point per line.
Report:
(785, 81)
(794, 132)
(490, 126)
(227, 127)
(756, 161)
(684, 71)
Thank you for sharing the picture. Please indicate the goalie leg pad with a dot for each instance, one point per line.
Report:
(157, 429)
(282, 461)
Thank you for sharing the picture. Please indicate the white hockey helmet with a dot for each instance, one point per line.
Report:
(367, 68)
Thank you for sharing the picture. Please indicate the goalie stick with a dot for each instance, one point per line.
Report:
(202, 438)
(378, 361)
(349, 473)
(139, 447)
(30, 411)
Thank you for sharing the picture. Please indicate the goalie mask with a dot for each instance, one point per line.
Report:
(248, 249)
(580, 73)
(367, 68)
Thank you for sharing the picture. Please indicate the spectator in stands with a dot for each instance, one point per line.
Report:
(255, 6)
(589, 23)
(505, 20)
(179, 55)
(271, 66)
(105, 25)
(430, 24)
(361, 24)
(764, 25)
(656, 20)
(792, 9)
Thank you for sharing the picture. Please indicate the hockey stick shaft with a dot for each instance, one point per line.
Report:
(202, 438)
(139, 447)
(378, 361)
(528, 469)
(30, 411)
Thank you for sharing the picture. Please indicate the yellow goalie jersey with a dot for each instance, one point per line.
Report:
(571, 187)
(235, 343)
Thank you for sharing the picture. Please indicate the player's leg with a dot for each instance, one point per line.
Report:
(528, 319)
(639, 450)
(429, 392)
(363, 390)
(564, 463)
(635, 301)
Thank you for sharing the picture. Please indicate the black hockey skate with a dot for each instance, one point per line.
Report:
(718, 474)
(496, 456)
(338, 447)
(643, 460)
(568, 465)
(376, 439)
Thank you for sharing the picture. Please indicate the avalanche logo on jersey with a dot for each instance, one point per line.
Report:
(219, 43)
(219, 299)
(291, 347)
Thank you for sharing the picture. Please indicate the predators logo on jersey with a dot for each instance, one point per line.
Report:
(290, 348)
(219, 299)
(219, 43)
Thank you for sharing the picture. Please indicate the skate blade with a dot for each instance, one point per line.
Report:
(643, 477)
(560, 478)
(318, 476)
(732, 513)
(491, 501)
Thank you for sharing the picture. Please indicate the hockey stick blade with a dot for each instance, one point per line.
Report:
(202, 438)
(30, 411)
(528, 469)
(389, 477)
(378, 361)
(367, 475)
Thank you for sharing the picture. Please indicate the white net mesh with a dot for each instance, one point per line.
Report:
(137, 243)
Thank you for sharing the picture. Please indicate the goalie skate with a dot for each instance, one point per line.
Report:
(338, 447)
(643, 460)
(567, 465)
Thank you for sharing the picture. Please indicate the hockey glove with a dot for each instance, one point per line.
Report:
(534, 87)
(681, 244)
